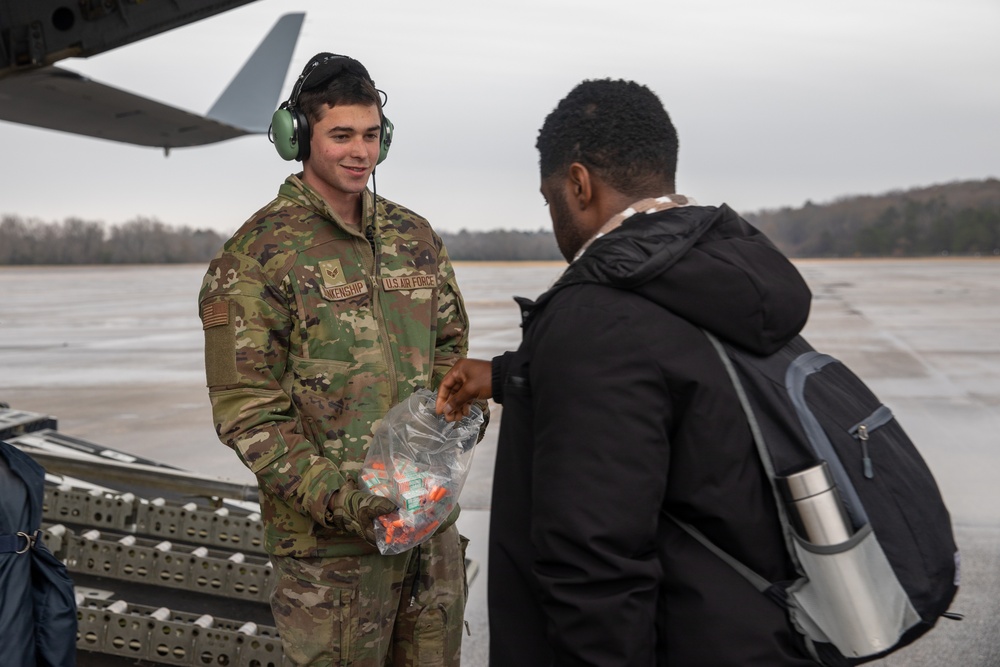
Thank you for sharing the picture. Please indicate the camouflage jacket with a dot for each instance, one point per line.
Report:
(311, 335)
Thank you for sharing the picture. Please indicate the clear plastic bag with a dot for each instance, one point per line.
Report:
(420, 461)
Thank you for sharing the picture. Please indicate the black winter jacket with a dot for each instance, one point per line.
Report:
(616, 410)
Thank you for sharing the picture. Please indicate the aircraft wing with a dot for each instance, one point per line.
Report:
(59, 99)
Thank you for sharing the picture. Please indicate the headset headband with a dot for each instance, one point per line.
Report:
(322, 68)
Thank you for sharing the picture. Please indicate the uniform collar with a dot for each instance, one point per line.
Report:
(303, 194)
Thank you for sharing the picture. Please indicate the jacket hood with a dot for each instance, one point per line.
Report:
(704, 264)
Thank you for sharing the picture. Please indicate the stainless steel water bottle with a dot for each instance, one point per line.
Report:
(814, 506)
(847, 592)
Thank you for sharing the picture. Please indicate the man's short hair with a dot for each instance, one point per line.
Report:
(345, 88)
(617, 129)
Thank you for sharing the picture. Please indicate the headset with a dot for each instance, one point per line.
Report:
(289, 130)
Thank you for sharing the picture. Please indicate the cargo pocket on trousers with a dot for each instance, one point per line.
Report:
(429, 631)
(314, 619)
(429, 636)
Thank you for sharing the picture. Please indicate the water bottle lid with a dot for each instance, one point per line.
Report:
(806, 483)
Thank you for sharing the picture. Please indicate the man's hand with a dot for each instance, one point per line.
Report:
(467, 381)
(355, 512)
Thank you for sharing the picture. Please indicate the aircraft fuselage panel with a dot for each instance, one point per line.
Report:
(41, 32)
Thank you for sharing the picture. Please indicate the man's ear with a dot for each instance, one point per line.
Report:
(581, 185)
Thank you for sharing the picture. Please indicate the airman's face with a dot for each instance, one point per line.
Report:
(344, 149)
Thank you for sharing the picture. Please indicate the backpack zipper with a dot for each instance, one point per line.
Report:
(862, 432)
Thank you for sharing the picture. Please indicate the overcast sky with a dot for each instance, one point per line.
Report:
(776, 102)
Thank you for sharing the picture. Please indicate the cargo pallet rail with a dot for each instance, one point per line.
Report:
(168, 566)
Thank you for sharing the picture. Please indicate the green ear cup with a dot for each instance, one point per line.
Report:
(284, 133)
(386, 139)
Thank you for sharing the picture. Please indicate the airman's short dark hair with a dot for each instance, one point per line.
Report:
(351, 85)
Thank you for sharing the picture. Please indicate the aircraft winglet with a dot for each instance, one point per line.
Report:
(252, 96)
(59, 99)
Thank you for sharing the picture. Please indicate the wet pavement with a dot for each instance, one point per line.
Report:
(115, 353)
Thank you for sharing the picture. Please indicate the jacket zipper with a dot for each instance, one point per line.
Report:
(862, 432)
(377, 310)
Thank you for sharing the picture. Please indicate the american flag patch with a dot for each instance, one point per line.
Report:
(215, 314)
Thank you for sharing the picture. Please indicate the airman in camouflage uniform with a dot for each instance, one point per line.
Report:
(313, 330)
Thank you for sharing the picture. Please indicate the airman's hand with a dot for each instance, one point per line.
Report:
(355, 512)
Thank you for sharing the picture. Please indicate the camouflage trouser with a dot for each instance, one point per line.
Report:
(405, 610)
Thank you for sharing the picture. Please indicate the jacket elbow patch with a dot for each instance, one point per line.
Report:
(259, 448)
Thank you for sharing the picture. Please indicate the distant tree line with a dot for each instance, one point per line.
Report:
(953, 219)
(501, 245)
(960, 218)
(149, 241)
(75, 241)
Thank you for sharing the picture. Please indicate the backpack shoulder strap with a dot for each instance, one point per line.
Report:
(759, 582)
(758, 436)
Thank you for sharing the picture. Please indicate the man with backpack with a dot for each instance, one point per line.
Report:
(659, 406)
(617, 410)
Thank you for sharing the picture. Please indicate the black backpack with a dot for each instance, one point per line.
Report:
(896, 572)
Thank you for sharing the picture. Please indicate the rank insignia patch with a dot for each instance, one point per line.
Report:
(332, 272)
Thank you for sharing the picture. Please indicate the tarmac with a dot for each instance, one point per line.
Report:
(115, 354)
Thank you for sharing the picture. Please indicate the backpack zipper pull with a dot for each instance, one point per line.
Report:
(865, 458)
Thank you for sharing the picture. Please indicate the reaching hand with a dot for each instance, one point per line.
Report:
(355, 512)
(467, 381)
